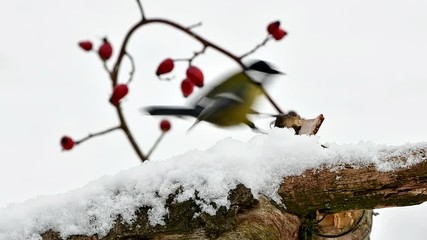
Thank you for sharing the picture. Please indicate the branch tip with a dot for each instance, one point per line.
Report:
(141, 10)
(194, 25)
(266, 39)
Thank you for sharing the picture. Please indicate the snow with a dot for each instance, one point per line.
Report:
(260, 164)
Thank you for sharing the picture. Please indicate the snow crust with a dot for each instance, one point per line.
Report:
(260, 164)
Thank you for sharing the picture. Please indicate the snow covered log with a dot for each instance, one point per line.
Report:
(247, 218)
(275, 186)
(349, 188)
(329, 190)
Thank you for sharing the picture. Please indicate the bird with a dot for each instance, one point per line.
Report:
(228, 103)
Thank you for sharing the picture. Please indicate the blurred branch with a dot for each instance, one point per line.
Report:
(132, 63)
(126, 130)
(97, 134)
(351, 188)
(104, 64)
(141, 10)
(189, 60)
(256, 47)
(156, 144)
(194, 25)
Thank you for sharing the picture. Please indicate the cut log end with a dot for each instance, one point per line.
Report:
(300, 125)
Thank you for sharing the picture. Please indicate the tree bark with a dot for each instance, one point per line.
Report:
(357, 188)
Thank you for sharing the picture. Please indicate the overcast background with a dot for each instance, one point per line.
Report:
(360, 63)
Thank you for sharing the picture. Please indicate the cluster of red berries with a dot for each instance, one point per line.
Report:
(105, 51)
(194, 76)
(275, 31)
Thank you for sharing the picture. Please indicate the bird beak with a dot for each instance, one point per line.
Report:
(273, 71)
(277, 72)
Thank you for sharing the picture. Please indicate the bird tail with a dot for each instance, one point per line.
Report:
(173, 111)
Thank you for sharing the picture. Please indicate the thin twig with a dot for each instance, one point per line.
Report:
(195, 54)
(202, 40)
(104, 63)
(122, 52)
(166, 78)
(97, 134)
(155, 144)
(126, 130)
(190, 60)
(141, 9)
(256, 47)
(272, 101)
(132, 63)
(194, 25)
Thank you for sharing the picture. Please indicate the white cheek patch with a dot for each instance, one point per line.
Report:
(256, 76)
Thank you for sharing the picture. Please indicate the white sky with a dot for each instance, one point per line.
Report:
(360, 63)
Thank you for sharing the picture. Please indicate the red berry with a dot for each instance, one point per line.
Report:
(279, 34)
(195, 75)
(67, 143)
(106, 50)
(120, 91)
(187, 87)
(272, 27)
(86, 45)
(165, 66)
(165, 125)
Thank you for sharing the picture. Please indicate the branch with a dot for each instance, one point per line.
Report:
(132, 63)
(197, 37)
(189, 60)
(194, 25)
(155, 144)
(126, 130)
(91, 135)
(358, 188)
(141, 10)
(104, 64)
(256, 47)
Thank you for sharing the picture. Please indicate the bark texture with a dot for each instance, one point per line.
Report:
(357, 188)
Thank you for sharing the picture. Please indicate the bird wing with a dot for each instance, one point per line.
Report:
(232, 84)
(220, 103)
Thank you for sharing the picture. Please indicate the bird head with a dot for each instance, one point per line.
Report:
(259, 71)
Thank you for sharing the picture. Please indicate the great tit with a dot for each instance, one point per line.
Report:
(229, 102)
